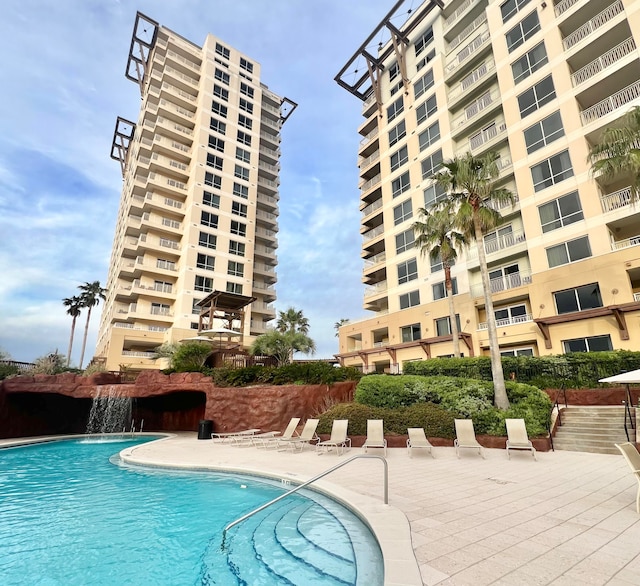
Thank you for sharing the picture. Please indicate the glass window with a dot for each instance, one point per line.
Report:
(397, 133)
(235, 269)
(211, 199)
(517, 352)
(429, 136)
(409, 299)
(551, 171)
(243, 155)
(410, 333)
(246, 65)
(207, 240)
(426, 109)
(578, 298)
(241, 190)
(216, 143)
(222, 51)
(234, 288)
(529, 62)
(221, 92)
(423, 84)
(402, 212)
(434, 194)
(400, 184)
(424, 40)
(205, 261)
(399, 158)
(404, 241)
(426, 59)
(394, 71)
(214, 161)
(236, 248)
(244, 138)
(212, 180)
(407, 271)
(511, 314)
(440, 290)
(218, 126)
(245, 121)
(239, 209)
(590, 344)
(219, 109)
(221, 76)
(203, 284)
(567, 252)
(238, 228)
(431, 164)
(443, 325)
(511, 7)
(208, 219)
(436, 263)
(543, 132)
(395, 109)
(241, 172)
(560, 212)
(246, 90)
(523, 31)
(246, 106)
(537, 96)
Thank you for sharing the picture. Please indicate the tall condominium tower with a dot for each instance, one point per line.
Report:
(536, 83)
(196, 232)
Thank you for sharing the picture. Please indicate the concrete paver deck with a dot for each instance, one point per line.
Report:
(567, 519)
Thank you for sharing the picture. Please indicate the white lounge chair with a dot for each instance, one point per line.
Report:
(418, 439)
(338, 439)
(307, 436)
(266, 441)
(233, 436)
(375, 435)
(632, 457)
(517, 438)
(466, 437)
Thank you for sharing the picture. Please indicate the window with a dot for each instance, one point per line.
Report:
(246, 90)
(211, 199)
(221, 93)
(590, 344)
(511, 314)
(536, 97)
(544, 132)
(396, 88)
(421, 44)
(246, 65)
(426, 59)
(234, 288)
(400, 185)
(244, 138)
(163, 286)
(409, 299)
(443, 325)
(523, 31)
(560, 212)
(203, 284)
(395, 109)
(394, 71)
(212, 180)
(218, 126)
(167, 265)
(434, 194)
(404, 241)
(568, 252)
(160, 309)
(397, 133)
(578, 299)
(219, 109)
(517, 352)
(206, 262)
(507, 277)
(222, 51)
(207, 240)
(423, 84)
(235, 269)
(402, 212)
(214, 161)
(216, 144)
(246, 106)
(243, 155)
(407, 271)
(221, 76)
(437, 264)
(207, 219)
(195, 308)
(426, 109)
(431, 164)
(551, 171)
(529, 62)
(511, 7)
(239, 209)
(241, 172)
(236, 248)
(238, 228)
(440, 290)
(241, 190)
(245, 121)
(410, 333)
(429, 136)
(399, 158)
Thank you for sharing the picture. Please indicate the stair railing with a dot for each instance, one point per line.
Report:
(627, 414)
(556, 407)
(307, 483)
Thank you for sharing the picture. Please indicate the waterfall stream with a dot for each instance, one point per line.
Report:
(110, 412)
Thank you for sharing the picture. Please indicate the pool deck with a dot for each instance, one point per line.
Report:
(567, 519)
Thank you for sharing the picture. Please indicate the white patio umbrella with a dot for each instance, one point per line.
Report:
(624, 378)
(197, 339)
(219, 332)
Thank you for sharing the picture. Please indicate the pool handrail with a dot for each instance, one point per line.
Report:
(307, 483)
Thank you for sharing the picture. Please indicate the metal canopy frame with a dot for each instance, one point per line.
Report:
(143, 39)
(229, 307)
(287, 107)
(122, 137)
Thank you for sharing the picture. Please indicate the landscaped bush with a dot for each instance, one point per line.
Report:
(7, 370)
(436, 421)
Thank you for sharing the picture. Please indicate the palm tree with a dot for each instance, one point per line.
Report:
(618, 152)
(343, 321)
(74, 309)
(292, 320)
(471, 185)
(436, 235)
(90, 296)
(282, 345)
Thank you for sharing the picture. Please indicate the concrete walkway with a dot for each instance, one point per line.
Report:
(567, 519)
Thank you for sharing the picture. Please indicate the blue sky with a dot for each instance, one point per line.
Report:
(63, 87)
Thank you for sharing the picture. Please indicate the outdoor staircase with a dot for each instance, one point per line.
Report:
(592, 429)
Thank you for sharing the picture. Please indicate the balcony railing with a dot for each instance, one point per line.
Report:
(183, 76)
(469, 50)
(478, 106)
(129, 326)
(370, 100)
(505, 241)
(486, 135)
(612, 103)
(177, 90)
(369, 184)
(508, 321)
(372, 207)
(456, 15)
(626, 243)
(474, 77)
(370, 159)
(369, 137)
(592, 25)
(504, 283)
(370, 290)
(563, 6)
(620, 51)
(149, 355)
(616, 200)
(468, 30)
(374, 260)
(371, 234)
(182, 60)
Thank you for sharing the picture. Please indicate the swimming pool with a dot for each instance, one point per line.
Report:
(70, 516)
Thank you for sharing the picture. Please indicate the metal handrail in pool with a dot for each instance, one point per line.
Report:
(307, 483)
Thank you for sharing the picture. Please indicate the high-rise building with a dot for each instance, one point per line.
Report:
(197, 226)
(537, 83)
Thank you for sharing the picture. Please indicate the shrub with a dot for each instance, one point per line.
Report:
(7, 370)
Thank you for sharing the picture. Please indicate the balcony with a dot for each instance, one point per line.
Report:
(369, 137)
(162, 181)
(616, 200)
(180, 59)
(268, 184)
(504, 283)
(626, 243)
(160, 202)
(371, 234)
(589, 27)
(611, 104)
(451, 20)
(273, 154)
(368, 104)
(469, 29)
(274, 139)
(471, 81)
(367, 185)
(611, 57)
(267, 200)
(172, 90)
(477, 107)
(371, 290)
(270, 124)
(138, 354)
(508, 321)
(563, 6)
(487, 135)
(366, 161)
(265, 251)
(471, 49)
(374, 260)
(502, 242)
(372, 207)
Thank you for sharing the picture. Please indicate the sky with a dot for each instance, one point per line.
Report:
(63, 68)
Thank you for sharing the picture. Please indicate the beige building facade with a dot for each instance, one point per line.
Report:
(198, 214)
(537, 83)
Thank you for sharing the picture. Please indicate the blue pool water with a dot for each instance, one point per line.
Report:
(70, 516)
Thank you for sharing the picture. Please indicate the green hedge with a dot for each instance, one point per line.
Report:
(576, 370)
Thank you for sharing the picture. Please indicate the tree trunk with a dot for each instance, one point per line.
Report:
(84, 339)
(501, 400)
(73, 327)
(452, 311)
